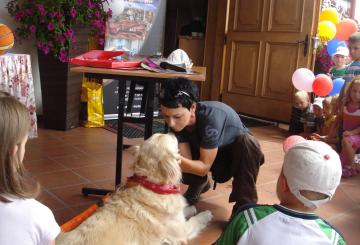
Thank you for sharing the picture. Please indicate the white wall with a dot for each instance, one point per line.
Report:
(27, 47)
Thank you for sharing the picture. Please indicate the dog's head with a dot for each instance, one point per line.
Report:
(157, 158)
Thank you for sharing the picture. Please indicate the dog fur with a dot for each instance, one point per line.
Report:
(139, 216)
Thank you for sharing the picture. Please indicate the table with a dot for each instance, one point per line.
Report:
(16, 78)
(151, 78)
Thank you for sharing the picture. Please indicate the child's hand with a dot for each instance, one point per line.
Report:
(348, 133)
(315, 136)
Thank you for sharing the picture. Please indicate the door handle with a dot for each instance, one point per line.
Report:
(306, 44)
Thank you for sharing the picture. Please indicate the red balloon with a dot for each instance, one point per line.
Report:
(345, 28)
(322, 85)
(291, 141)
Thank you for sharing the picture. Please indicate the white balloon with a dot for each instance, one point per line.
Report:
(303, 79)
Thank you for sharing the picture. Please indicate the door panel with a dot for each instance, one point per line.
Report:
(248, 15)
(251, 51)
(279, 56)
(286, 15)
(265, 41)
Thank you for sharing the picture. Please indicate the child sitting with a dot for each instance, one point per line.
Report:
(318, 114)
(339, 57)
(310, 175)
(302, 111)
(351, 128)
(329, 118)
(23, 219)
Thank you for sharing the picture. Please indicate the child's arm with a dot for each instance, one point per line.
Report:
(352, 132)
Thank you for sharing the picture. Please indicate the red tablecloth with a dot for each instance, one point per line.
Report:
(16, 79)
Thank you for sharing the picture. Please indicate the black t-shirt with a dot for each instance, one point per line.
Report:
(217, 126)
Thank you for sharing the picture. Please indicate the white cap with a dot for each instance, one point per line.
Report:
(319, 102)
(179, 57)
(342, 51)
(312, 166)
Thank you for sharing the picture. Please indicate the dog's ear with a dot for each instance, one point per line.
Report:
(169, 167)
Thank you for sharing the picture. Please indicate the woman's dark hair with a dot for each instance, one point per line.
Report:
(176, 92)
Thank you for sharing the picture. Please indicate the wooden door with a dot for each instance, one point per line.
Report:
(266, 41)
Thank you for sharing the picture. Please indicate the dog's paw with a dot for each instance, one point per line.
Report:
(189, 211)
(204, 217)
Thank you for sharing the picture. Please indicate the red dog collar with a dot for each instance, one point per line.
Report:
(157, 188)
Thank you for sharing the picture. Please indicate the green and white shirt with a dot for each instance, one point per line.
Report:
(264, 224)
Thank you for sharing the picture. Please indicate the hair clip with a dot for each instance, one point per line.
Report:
(182, 93)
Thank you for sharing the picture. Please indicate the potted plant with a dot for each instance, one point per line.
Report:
(61, 29)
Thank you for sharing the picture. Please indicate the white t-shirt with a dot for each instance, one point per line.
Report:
(26, 222)
(268, 225)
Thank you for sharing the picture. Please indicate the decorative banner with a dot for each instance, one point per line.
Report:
(302, 79)
(326, 30)
(330, 14)
(345, 28)
(130, 25)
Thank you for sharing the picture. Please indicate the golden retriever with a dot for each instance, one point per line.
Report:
(137, 214)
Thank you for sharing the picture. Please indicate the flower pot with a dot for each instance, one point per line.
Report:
(60, 88)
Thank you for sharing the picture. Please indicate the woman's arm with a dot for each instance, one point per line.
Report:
(198, 167)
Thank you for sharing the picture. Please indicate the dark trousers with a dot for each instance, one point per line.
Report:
(245, 157)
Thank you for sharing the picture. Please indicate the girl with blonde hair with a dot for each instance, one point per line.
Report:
(351, 127)
(23, 219)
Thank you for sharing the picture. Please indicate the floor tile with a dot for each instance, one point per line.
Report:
(60, 179)
(98, 172)
(41, 166)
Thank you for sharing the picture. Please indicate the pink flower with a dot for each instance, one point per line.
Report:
(32, 28)
(51, 27)
(29, 11)
(41, 9)
(45, 49)
(19, 15)
(69, 33)
(73, 12)
(101, 41)
(53, 14)
(39, 44)
(90, 5)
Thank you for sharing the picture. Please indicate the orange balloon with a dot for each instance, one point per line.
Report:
(322, 85)
(345, 28)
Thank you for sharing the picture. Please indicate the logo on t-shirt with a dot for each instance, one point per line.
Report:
(211, 132)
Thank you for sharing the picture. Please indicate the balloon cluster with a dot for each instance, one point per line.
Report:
(321, 85)
(333, 30)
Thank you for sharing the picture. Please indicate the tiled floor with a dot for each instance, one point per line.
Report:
(64, 162)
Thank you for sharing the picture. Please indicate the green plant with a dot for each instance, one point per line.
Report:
(51, 22)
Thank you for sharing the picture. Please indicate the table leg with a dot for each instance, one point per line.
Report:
(119, 146)
(149, 114)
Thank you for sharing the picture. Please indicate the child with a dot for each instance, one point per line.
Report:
(329, 118)
(301, 110)
(23, 219)
(310, 175)
(339, 57)
(318, 113)
(353, 69)
(351, 127)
